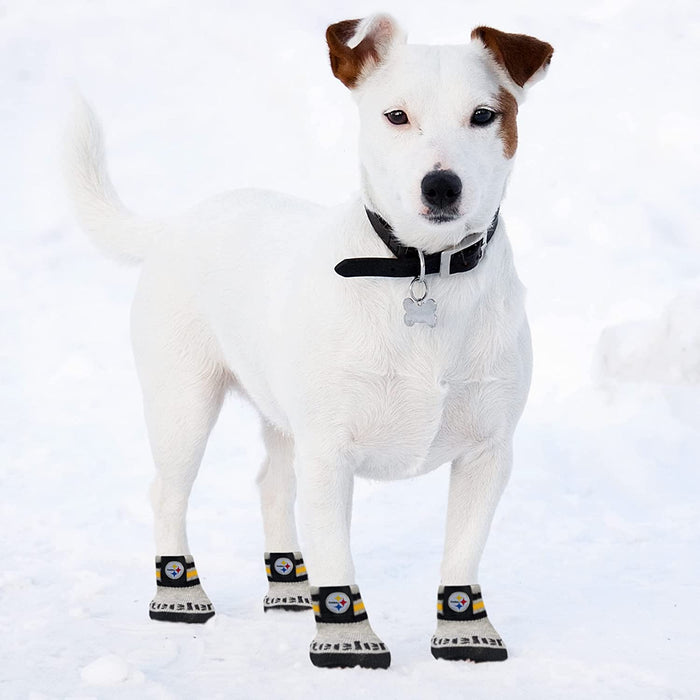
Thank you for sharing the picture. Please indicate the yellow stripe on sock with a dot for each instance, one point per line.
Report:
(158, 574)
(301, 570)
(439, 607)
(192, 573)
(316, 609)
(478, 605)
(267, 570)
(358, 607)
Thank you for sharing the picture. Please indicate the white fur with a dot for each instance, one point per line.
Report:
(240, 293)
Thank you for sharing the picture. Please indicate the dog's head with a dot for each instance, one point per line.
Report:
(438, 125)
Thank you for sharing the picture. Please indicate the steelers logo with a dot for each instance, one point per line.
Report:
(174, 570)
(337, 602)
(458, 601)
(283, 566)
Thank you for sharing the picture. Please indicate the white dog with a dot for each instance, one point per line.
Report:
(382, 338)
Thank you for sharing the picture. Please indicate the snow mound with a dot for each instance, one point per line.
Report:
(664, 350)
(107, 670)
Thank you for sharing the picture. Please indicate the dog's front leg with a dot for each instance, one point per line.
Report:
(343, 633)
(477, 480)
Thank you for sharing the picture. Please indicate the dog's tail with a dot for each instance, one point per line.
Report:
(113, 228)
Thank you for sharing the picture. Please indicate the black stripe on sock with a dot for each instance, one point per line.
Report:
(178, 583)
(347, 660)
(466, 613)
(289, 577)
(182, 581)
(196, 618)
(326, 615)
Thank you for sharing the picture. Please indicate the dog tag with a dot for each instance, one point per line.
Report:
(423, 311)
(418, 308)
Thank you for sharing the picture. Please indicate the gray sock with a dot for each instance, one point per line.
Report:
(464, 632)
(344, 636)
(289, 582)
(179, 594)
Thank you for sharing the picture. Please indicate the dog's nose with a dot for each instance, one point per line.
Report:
(441, 188)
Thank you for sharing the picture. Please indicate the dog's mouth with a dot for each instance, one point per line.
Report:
(441, 216)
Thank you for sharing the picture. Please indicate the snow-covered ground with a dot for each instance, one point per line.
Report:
(592, 571)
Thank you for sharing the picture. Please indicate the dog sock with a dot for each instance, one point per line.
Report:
(179, 594)
(343, 633)
(289, 583)
(464, 632)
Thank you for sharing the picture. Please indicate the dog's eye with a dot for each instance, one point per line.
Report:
(482, 117)
(397, 116)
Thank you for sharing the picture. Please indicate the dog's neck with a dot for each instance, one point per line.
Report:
(463, 257)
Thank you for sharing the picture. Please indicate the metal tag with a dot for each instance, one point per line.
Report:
(424, 311)
(418, 308)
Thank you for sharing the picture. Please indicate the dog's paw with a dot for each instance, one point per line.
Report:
(179, 594)
(347, 645)
(464, 632)
(467, 644)
(190, 605)
(287, 596)
(289, 582)
(344, 637)
(475, 641)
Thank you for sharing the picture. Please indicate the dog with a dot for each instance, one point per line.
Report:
(382, 338)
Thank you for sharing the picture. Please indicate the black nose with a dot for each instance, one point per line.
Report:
(441, 188)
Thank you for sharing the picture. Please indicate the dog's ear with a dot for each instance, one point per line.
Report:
(525, 58)
(357, 45)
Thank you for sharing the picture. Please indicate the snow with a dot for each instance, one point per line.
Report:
(664, 350)
(107, 670)
(591, 572)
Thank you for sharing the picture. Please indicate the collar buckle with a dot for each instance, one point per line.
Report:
(481, 239)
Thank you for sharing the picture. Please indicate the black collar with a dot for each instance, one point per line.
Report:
(461, 258)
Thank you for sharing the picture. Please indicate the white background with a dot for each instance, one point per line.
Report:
(591, 573)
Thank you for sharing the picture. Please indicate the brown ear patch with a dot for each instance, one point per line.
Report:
(347, 63)
(521, 55)
(508, 128)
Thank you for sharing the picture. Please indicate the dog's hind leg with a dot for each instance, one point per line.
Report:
(286, 572)
(477, 480)
(183, 386)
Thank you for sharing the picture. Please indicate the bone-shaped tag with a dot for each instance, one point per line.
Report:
(424, 311)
